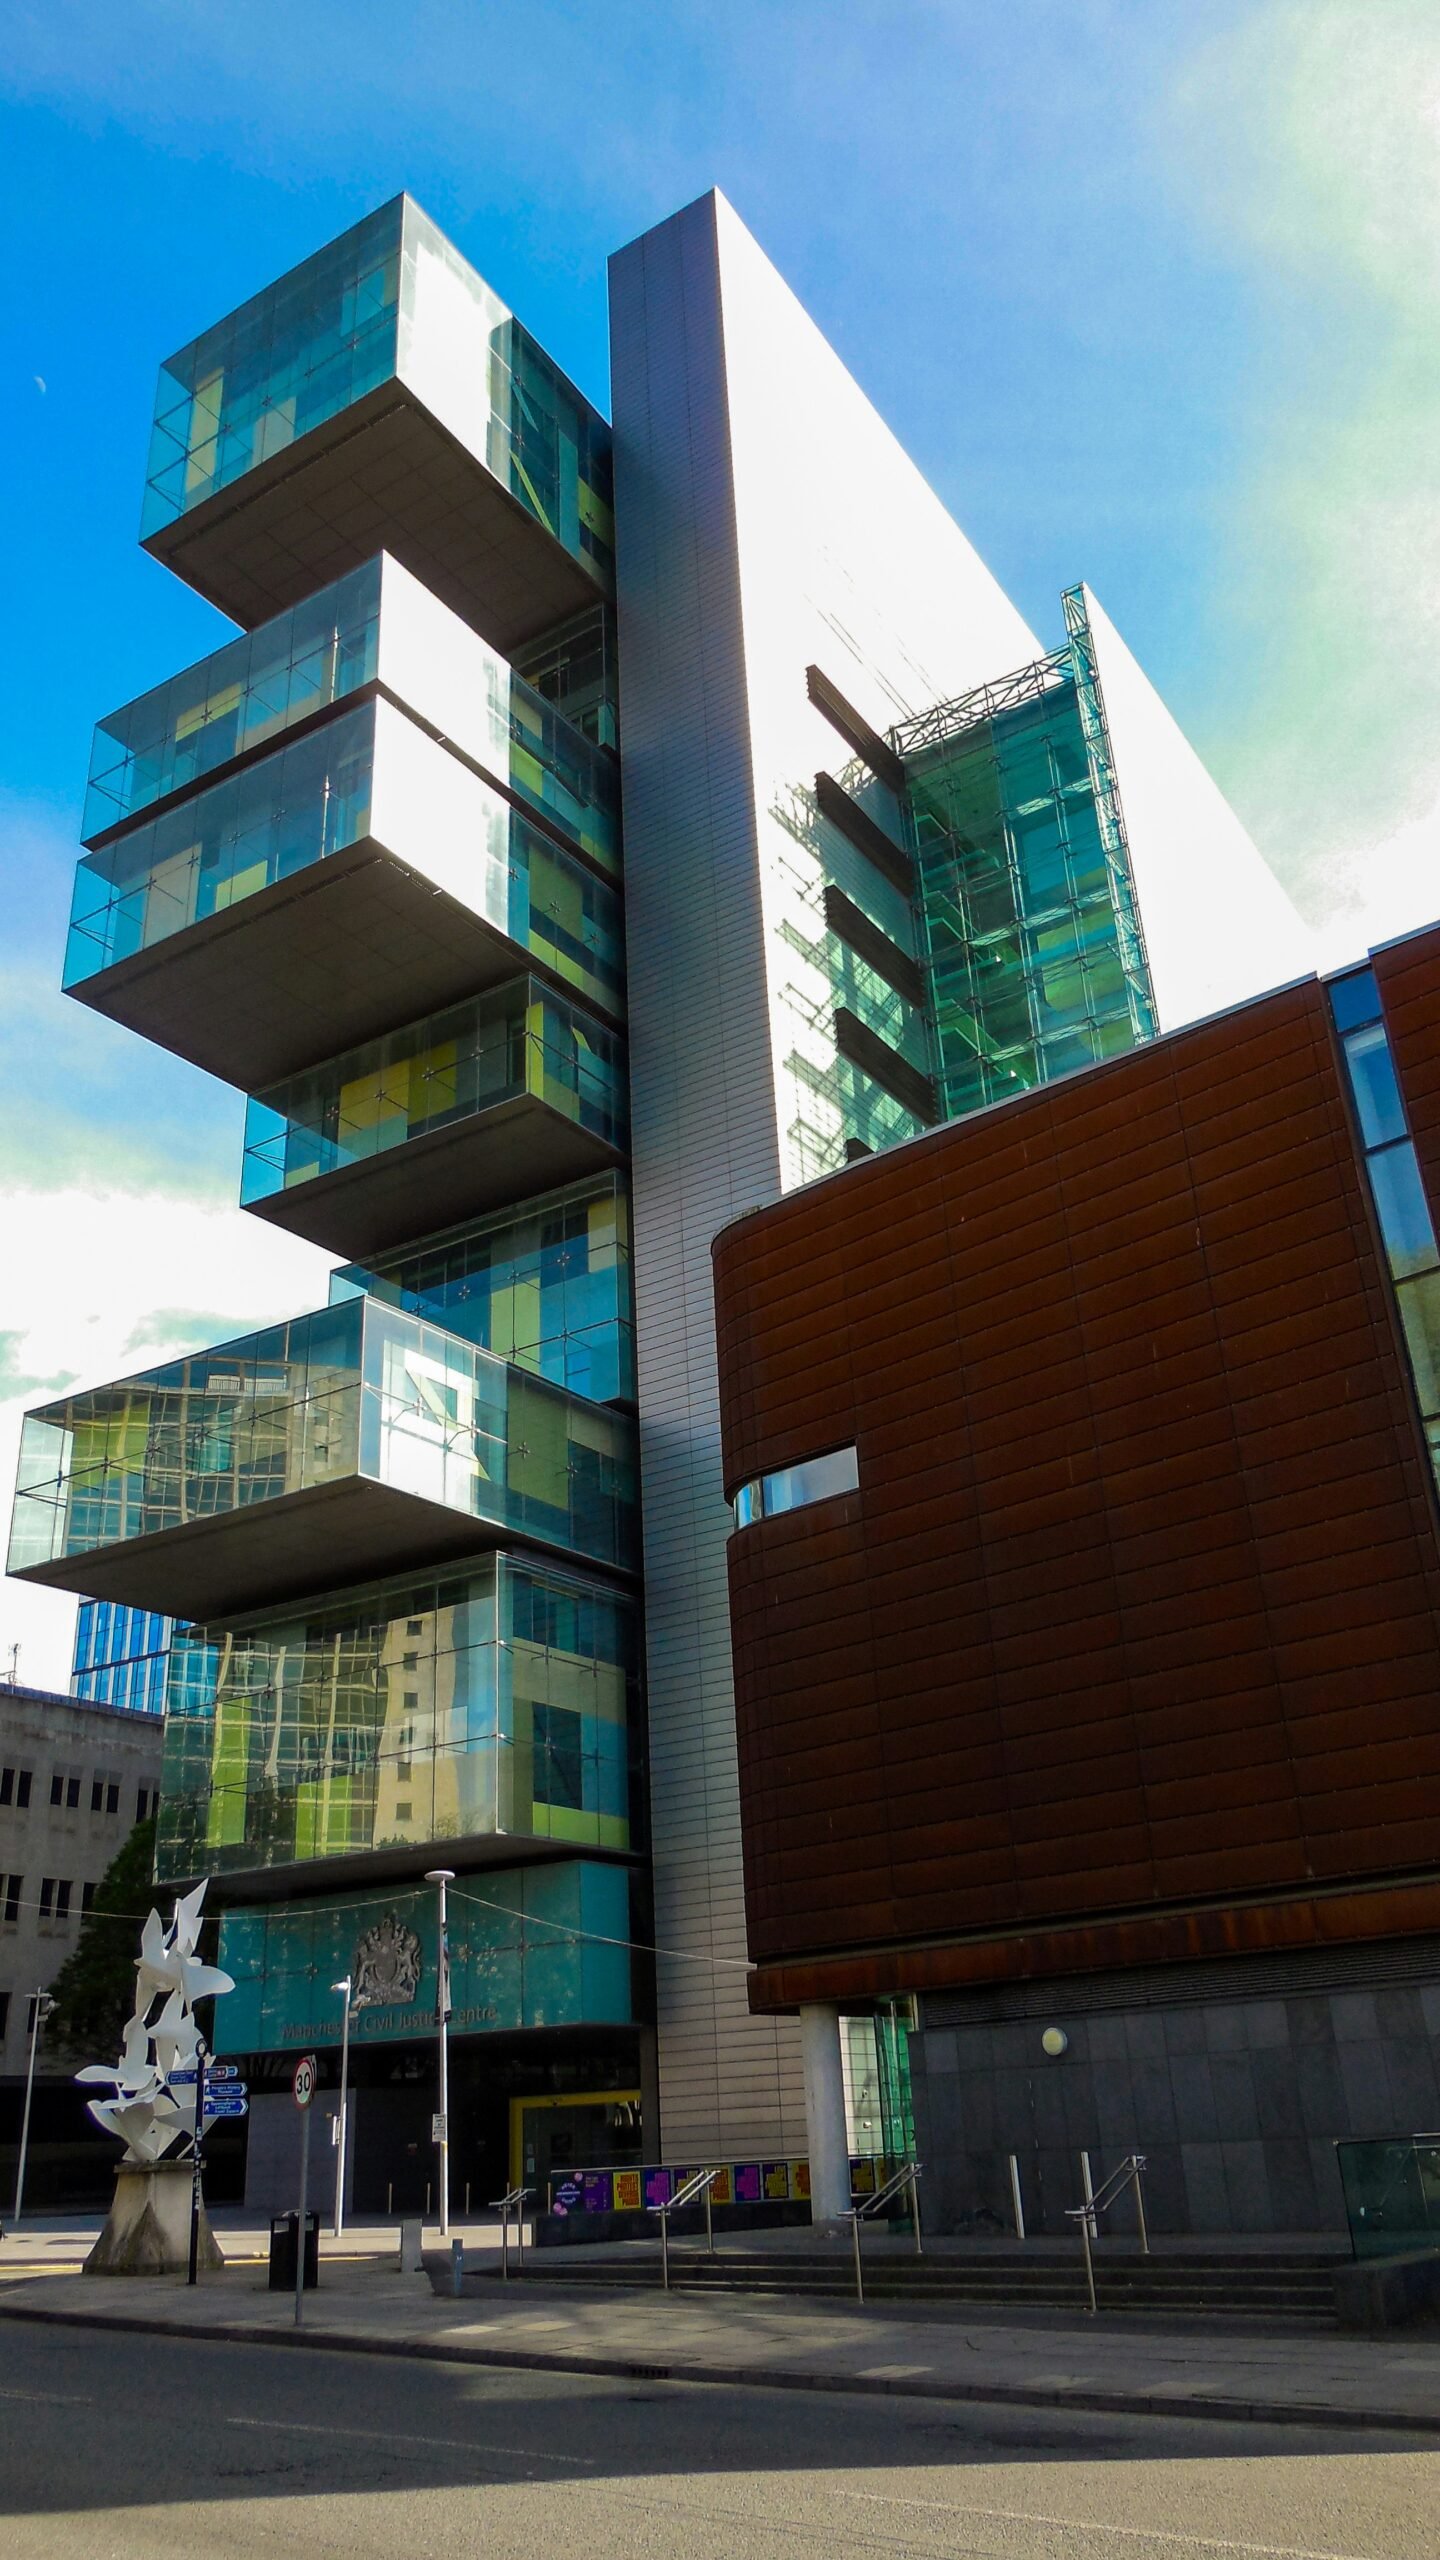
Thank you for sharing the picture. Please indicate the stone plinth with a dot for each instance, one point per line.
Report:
(147, 2230)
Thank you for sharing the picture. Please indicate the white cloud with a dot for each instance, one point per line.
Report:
(1309, 150)
(96, 1284)
(1385, 889)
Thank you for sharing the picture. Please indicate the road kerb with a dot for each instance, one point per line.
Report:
(1092, 2399)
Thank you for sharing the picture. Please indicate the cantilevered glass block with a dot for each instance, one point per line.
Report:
(357, 872)
(510, 1093)
(376, 626)
(214, 1481)
(380, 391)
(488, 1701)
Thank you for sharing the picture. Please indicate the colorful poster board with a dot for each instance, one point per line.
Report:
(736, 2182)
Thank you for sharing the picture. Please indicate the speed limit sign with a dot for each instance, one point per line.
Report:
(306, 2075)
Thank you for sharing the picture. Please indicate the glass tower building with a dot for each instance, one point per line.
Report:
(589, 834)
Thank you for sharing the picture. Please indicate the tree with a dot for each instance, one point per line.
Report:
(94, 1990)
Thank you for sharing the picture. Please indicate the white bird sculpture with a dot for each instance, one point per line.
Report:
(155, 2079)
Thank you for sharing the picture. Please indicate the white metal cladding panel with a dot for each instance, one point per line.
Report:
(1218, 926)
(703, 1147)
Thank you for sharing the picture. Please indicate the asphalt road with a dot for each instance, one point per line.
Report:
(116, 2448)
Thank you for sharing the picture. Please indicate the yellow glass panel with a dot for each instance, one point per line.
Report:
(214, 707)
(204, 431)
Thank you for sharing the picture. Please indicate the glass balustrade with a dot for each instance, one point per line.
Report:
(416, 1082)
(241, 698)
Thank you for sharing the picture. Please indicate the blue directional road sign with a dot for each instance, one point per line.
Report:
(224, 2105)
(223, 2071)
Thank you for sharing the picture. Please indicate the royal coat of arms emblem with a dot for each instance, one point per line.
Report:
(387, 1962)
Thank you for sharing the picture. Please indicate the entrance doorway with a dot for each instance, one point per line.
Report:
(592, 2129)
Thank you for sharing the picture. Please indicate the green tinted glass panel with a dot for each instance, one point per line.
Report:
(539, 1946)
(546, 1286)
(407, 1713)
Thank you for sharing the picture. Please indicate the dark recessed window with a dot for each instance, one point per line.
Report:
(559, 1757)
(1355, 999)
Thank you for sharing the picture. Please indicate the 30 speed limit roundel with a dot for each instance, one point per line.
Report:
(306, 2075)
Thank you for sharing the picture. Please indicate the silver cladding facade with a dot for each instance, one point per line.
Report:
(703, 1146)
(766, 519)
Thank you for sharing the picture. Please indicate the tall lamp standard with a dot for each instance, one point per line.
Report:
(41, 2005)
(344, 2120)
(442, 1876)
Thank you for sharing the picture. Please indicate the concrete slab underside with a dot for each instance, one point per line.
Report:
(293, 1544)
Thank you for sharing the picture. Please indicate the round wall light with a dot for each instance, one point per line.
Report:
(1055, 2041)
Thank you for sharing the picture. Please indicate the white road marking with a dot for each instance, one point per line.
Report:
(67, 2399)
(1077, 2524)
(441, 2444)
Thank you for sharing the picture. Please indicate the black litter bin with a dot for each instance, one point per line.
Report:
(284, 2245)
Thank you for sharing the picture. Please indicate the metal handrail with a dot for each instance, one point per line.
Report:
(700, 2184)
(513, 2201)
(905, 2176)
(1130, 2173)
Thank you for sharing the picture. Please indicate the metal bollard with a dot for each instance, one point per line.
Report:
(1016, 2199)
(457, 2266)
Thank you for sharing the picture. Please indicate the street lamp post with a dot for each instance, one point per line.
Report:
(41, 2005)
(442, 1876)
(342, 2127)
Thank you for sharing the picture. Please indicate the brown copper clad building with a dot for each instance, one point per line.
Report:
(1108, 1699)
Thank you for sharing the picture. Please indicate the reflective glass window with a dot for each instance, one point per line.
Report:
(790, 1488)
(1402, 1209)
(815, 1480)
(1420, 1315)
(1372, 1081)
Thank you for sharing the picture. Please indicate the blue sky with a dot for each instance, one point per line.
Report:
(1149, 290)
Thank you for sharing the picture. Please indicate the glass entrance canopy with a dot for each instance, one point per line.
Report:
(377, 625)
(202, 927)
(243, 1472)
(488, 470)
(510, 1094)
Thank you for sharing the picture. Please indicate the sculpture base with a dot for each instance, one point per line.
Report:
(147, 2230)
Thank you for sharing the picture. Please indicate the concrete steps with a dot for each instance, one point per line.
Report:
(1289, 2284)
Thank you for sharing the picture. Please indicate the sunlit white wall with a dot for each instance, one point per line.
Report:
(1218, 926)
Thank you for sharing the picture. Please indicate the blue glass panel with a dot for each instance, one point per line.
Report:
(1355, 999)
(1402, 1209)
(814, 1480)
(1372, 1081)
